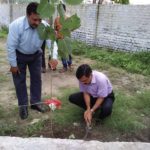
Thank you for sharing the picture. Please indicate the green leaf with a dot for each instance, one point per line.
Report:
(51, 33)
(54, 1)
(71, 23)
(65, 32)
(64, 47)
(46, 9)
(46, 32)
(61, 11)
(42, 31)
(69, 44)
(73, 2)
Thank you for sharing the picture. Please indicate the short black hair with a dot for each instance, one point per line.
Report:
(32, 8)
(83, 70)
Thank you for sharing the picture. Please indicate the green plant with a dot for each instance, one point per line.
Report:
(32, 129)
(128, 111)
(3, 31)
(69, 113)
(2, 112)
(132, 62)
(122, 1)
(7, 129)
(46, 9)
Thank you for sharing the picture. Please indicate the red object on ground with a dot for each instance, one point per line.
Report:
(56, 102)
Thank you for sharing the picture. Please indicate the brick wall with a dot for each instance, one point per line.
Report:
(4, 14)
(125, 27)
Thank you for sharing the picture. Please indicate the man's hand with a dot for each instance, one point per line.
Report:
(14, 70)
(53, 64)
(88, 116)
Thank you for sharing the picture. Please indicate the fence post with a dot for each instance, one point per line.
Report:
(96, 28)
(10, 10)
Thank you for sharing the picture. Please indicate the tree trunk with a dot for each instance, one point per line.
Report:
(94, 1)
(100, 1)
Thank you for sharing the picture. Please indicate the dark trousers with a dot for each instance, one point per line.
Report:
(33, 62)
(66, 62)
(106, 107)
(43, 54)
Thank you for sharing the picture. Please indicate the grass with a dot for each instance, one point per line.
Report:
(131, 112)
(3, 78)
(3, 32)
(128, 115)
(33, 128)
(68, 113)
(138, 62)
(7, 129)
(2, 112)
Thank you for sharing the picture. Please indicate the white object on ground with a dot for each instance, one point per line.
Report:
(72, 136)
(52, 106)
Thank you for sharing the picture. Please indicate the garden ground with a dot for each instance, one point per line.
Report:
(130, 120)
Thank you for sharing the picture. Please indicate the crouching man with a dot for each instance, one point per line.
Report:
(95, 93)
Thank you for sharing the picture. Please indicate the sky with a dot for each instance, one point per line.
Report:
(139, 1)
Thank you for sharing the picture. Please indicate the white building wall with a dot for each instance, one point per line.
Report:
(125, 27)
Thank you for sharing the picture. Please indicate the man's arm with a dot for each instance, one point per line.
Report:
(12, 43)
(87, 113)
(87, 100)
(98, 103)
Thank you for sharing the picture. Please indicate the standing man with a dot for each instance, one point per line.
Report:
(24, 50)
(95, 93)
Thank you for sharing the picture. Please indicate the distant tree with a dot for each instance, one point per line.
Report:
(122, 1)
(116, 1)
(100, 1)
(94, 1)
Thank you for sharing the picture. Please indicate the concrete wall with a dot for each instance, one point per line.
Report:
(17, 143)
(8, 13)
(125, 27)
(4, 14)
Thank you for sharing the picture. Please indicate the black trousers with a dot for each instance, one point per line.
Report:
(33, 62)
(106, 107)
(43, 54)
(66, 62)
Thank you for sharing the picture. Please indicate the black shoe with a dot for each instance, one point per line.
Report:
(23, 112)
(38, 108)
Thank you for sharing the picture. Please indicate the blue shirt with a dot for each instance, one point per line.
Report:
(23, 38)
(100, 86)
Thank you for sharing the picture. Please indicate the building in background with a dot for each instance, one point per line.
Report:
(132, 2)
(97, 1)
(140, 2)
